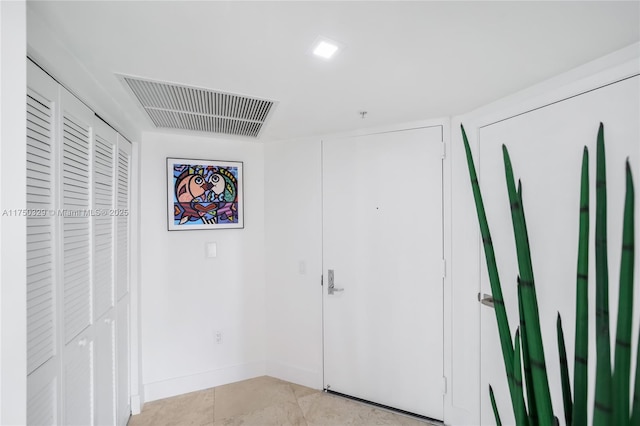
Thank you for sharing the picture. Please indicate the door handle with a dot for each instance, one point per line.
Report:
(485, 299)
(331, 288)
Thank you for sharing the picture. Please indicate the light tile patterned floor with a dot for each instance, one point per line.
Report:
(264, 401)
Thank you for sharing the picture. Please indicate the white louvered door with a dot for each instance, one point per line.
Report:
(76, 244)
(42, 356)
(104, 172)
(78, 172)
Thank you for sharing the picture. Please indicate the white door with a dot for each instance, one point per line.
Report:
(382, 241)
(78, 338)
(545, 147)
(42, 350)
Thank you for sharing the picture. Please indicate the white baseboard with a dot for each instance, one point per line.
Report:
(208, 379)
(295, 374)
(136, 404)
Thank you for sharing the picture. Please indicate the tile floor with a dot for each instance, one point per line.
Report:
(265, 401)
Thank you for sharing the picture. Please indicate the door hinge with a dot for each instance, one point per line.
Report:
(444, 150)
(444, 385)
(321, 280)
(444, 268)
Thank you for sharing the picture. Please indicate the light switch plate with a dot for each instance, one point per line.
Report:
(211, 249)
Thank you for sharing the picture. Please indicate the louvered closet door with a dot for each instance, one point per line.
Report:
(122, 278)
(76, 264)
(103, 194)
(42, 359)
(78, 180)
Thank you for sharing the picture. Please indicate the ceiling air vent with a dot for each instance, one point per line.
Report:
(173, 106)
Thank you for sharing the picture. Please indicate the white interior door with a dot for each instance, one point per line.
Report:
(382, 240)
(78, 338)
(545, 147)
(104, 166)
(42, 351)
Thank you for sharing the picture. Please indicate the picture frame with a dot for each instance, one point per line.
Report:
(204, 194)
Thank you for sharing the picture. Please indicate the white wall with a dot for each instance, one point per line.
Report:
(185, 297)
(293, 250)
(13, 293)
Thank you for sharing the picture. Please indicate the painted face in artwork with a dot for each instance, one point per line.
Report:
(191, 187)
(217, 183)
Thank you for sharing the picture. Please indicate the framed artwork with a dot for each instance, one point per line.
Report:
(204, 194)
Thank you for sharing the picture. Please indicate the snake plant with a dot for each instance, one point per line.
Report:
(526, 361)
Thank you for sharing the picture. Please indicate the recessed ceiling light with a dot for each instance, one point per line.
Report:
(325, 48)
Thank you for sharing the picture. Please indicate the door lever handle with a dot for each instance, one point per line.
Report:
(485, 299)
(331, 288)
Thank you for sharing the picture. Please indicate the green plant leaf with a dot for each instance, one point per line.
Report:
(564, 373)
(519, 408)
(581, 355)
(526, 363)
(602, 408)
(494, 406)
(621, 374)
(529, 301)
(496, 289)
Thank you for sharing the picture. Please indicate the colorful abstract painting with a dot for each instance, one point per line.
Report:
(204, 194)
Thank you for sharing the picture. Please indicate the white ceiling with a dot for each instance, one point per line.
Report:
(402, 61)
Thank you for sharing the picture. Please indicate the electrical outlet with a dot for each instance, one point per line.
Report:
(218, 337)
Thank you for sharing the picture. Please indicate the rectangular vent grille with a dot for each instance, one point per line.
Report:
(173, 106)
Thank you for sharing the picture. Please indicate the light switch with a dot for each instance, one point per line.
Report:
(302, 267)
(211, 249)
